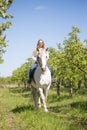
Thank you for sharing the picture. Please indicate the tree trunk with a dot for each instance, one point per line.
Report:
(19, 84)
(25, 85)
(85, 84)
(79, 84)
(71, 89)
(85, 81)
(58, 87)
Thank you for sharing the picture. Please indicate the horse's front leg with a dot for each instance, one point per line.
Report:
(39, 102)
(46, 92)
(43, 99)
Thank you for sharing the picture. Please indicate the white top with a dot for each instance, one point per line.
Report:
(34, 55)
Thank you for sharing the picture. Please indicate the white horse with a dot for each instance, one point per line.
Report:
(42, 80)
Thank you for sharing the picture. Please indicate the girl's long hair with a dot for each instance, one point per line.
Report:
(43, 46)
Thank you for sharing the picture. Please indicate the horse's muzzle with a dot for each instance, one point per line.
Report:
(43, 69)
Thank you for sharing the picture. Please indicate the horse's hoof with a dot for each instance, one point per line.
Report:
(46, 110)
(39, 105)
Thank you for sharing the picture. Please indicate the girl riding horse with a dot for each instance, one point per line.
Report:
(40, 44)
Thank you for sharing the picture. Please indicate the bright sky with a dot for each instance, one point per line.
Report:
(50, 20)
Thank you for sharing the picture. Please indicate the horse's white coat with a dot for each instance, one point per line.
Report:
(42, 80)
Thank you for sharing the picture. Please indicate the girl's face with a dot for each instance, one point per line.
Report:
(40, 44)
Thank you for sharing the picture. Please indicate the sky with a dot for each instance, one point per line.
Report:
(50, 20)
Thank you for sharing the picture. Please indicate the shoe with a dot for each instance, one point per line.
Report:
(29, 81)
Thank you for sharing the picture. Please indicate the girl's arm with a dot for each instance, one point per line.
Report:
(34, 55)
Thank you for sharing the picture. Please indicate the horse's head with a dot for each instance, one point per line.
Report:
(42, 58)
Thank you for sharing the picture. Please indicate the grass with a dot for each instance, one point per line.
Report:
(17, 111)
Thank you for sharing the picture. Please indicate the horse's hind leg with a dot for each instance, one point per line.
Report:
(35, 96)
(39, 100)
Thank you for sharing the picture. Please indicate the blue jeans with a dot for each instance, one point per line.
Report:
(31, 70)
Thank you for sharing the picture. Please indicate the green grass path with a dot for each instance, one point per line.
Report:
(17, 111)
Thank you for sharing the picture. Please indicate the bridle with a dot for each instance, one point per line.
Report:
(39, 60)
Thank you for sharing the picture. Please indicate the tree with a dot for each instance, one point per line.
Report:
(4, 6)
(20, 75)
(76, 57)
(69, 62)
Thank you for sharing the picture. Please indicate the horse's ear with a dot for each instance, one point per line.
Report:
(47, 49)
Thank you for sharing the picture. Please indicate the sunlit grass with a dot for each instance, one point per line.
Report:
(17, 111)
